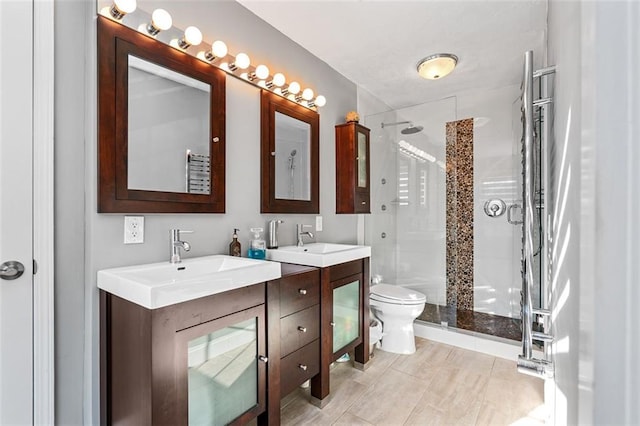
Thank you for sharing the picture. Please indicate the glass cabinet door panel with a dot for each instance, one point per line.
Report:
(223, 374)
(362, 160)
(346, 304)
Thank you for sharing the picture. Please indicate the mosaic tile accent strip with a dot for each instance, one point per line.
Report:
(459, 185)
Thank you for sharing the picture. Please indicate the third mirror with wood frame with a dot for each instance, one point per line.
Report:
(289, 153)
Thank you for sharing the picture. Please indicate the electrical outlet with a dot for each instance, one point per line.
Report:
(318, 223)
(134, 229)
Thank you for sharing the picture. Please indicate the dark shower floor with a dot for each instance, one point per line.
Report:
(480, 322)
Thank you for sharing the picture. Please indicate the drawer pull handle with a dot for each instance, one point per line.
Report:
(303, 329)
(302, 367)
(302, 291)
(364, 202)
(333, 324)
(263, 358)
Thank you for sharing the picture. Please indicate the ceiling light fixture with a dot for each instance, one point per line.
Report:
(434, 67)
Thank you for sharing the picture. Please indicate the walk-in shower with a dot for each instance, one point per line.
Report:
(429, 229)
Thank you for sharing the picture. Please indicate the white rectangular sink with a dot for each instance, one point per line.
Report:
(156, 285)
(319, 254)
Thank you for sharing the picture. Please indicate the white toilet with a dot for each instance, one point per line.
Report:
(396, 307)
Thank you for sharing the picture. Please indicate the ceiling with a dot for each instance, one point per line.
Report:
(377, 44)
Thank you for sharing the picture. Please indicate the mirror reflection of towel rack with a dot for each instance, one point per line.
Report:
(198, 173)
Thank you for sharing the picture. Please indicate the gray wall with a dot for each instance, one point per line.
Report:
(87, 241)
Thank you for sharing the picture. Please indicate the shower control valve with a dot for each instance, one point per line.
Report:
(495, 207)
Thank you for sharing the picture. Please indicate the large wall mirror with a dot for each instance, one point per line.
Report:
(289, 156)
(161, 127)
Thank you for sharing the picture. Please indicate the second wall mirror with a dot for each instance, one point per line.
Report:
(289, 156)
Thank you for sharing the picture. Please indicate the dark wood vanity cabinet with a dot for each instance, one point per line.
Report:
(352, 169)
(344, 320)
(199, 362)
(293, 322)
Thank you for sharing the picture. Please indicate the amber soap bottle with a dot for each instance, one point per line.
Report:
(235, 249)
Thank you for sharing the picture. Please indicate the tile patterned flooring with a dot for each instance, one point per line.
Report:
(438, 385)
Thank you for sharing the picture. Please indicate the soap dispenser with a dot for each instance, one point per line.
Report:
(257, 249)
(235, 248)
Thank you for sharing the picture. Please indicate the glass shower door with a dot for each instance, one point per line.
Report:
(407, 225)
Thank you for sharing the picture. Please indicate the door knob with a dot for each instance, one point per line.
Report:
(11, 270)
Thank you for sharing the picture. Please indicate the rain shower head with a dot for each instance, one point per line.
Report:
(409, 130)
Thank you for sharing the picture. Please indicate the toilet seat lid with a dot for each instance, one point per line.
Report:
(396, 294)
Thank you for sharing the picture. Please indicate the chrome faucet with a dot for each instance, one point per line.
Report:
(273, 233)
(300, 233)
(176, 244)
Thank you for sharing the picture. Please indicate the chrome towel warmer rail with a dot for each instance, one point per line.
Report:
(526, 362)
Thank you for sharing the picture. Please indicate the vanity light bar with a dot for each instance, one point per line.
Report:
(159, 26)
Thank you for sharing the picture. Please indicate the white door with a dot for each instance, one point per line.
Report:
(16, 235)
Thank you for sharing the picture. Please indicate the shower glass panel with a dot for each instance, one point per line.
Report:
(407, 227)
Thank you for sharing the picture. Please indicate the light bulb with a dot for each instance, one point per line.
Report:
(262, 72)
(242, 61)
(125, 6)
(161, 19)
(321, 101)
(307, 94)
(219, 49)
(119, 8)
(192, 36)
(294, 88)
(278, 79)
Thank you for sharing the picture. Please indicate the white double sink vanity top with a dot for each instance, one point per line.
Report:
(157, 285)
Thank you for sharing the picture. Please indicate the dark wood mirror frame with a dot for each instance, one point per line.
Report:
(115, 43)
(271, 103)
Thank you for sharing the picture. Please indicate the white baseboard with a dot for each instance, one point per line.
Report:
(489, 345)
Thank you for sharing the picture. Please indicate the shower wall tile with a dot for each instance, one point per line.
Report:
(459, 185)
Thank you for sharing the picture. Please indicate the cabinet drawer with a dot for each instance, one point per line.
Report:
(299, 329)
(299, 292)
(299, 367)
